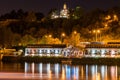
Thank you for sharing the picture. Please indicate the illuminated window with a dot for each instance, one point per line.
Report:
(54, 51)
(42, 51)
(58, 51)
(45, 51)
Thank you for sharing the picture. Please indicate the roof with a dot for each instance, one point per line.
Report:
(103, 46)
(46, 46)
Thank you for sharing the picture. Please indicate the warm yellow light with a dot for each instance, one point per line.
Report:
(108, 17)
(115, 17)
(50, 36)
(46, 36)
(94, 31)
(98, 31)
(63, 34)
(106, 25)
(75, 32)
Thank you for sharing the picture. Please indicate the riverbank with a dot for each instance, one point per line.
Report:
(83, 60)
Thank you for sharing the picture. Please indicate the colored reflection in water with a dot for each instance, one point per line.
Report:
(76, 72)
(61, 71)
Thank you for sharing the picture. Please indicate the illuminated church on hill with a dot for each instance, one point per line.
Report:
(64, 13)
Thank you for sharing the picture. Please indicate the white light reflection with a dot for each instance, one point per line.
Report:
(96, 73)
(57, 70)
(49, 72)
(113, 72)
(26, 68)
(75, 73)
(86, 72)
(106, 72)
(93, 72)
(70, 72)
(40, 69)
(102, 72)
(33, 69)
(116, 72)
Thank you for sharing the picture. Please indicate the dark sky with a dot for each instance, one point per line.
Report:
(44, 6)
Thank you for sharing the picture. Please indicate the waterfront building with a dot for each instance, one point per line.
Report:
(44, 49)
(109, 49)
(71, 51)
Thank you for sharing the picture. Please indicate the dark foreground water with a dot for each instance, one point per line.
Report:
(40, 71)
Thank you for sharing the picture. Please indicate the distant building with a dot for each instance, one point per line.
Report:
(64, 13)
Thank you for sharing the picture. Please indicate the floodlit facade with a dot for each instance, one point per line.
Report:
(44, 49)
(64, 13)
(72, 52)
(90, 50)
(102, 50)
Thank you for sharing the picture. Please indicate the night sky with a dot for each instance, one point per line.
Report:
(44, 6)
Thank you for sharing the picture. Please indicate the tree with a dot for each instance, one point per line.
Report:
(20, 14)
(6, 37)
(16, 39)
(30, 17)
(28, 39)
(48, 39)
(39, 15)
(77, 13)
(73, 39)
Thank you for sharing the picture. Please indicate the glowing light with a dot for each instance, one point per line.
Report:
(63, 35)
(63, 73)
(108, 17)
(115, 17)
(96, 34)
(98, 31)
(50, 36)
(75, 32)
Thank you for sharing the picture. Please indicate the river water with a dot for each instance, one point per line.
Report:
(47, 71)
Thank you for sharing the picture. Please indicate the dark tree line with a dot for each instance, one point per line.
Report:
(21, 15)
(37, 25)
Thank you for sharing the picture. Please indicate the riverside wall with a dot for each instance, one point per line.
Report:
(83, 60)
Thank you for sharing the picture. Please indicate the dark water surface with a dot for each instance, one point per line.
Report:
(40, 71)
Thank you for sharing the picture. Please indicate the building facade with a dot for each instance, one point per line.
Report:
(64, 13)
(44, 49)
(102, 50)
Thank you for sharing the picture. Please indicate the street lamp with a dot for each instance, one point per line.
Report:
(96, 34)
(62, 36)
(75, 32)
(50, 36)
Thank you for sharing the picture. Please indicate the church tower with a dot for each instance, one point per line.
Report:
(64, 13)
(64, 6)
